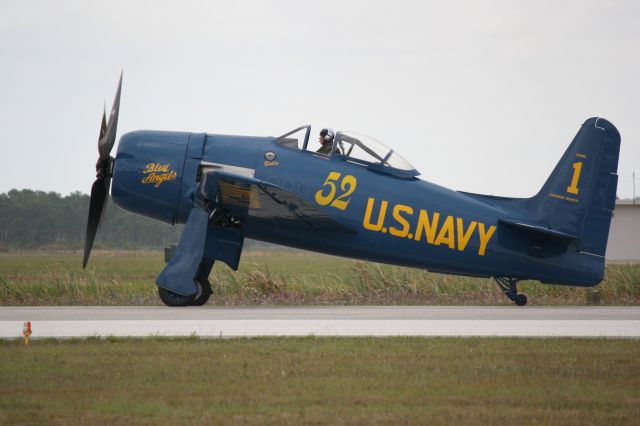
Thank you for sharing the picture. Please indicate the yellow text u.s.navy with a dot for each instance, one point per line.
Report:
(426, 227)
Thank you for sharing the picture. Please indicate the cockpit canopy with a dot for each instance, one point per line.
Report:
(360, 149)
(365, 150)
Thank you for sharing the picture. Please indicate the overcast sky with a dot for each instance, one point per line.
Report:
(481, 96)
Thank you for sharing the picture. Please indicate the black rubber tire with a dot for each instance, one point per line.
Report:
(521, 300)
(174, 300)
(204, 292)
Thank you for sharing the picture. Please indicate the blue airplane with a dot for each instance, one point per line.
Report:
(355, 198)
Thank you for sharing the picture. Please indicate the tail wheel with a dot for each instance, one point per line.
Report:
(521, 299)
(510, 288)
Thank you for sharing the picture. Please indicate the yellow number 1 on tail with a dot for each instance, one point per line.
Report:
(573, 188)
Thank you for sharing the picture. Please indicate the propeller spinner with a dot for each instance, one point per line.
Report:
(100, 188)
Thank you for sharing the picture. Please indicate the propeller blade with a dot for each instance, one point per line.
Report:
(99, 193)
(103, 126)
(180, 273)
(106, 142)
(100, 188)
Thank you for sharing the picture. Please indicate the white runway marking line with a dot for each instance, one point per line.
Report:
(333, 327)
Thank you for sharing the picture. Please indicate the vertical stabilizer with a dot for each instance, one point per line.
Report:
(579, 196)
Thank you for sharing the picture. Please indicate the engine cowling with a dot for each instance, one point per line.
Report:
(148, 173)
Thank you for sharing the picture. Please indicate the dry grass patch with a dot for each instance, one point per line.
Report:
(280, 278)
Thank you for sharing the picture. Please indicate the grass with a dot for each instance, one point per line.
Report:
(279, 277)
(321, 381)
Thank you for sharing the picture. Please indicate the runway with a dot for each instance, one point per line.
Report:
(214, 321)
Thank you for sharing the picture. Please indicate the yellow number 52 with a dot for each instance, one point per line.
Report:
(347, 185)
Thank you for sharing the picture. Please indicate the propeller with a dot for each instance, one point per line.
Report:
(100, 188)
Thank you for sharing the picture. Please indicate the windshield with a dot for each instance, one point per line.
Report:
(356, 146)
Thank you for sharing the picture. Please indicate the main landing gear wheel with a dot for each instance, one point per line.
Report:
(509, 286)
(204, 292)
(173, 299)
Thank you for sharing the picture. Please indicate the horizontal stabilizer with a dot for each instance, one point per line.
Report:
(538, 229)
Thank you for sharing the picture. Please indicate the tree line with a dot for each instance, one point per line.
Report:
(37, 219)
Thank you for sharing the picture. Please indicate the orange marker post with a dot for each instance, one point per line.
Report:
(26, 331)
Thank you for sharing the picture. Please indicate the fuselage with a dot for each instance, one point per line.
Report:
(408, 222)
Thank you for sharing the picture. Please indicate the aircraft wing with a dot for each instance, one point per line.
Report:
(247, 197)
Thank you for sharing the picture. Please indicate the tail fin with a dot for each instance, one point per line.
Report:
(579, 196)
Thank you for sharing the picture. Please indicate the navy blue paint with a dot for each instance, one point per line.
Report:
(135, 151)
(191, 165)
(544, 237)
(224, 244)
(180, 273)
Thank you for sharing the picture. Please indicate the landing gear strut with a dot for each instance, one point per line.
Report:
(202, 280)
(509, 286)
